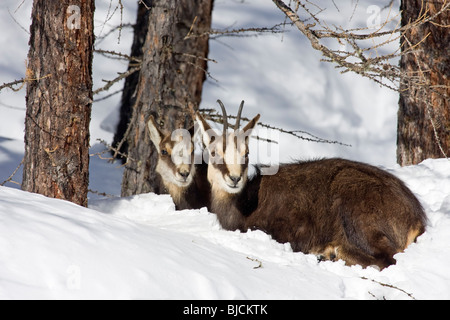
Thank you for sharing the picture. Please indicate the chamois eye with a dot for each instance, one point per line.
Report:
(164, 152)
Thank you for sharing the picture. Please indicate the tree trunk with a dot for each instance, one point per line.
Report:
(59, 99)
(171, 77)
(424, 106)
(129, 89)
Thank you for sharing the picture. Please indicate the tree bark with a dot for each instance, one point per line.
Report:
(130, 86)
(59, 99)
(171, 77)
(424, 106)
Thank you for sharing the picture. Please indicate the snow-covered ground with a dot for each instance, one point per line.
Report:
(140, 247)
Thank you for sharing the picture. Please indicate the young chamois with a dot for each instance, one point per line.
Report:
(184, 180)
(333, 208)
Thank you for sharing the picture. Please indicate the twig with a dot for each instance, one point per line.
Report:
(375, 68)
(120, 27)
(111, 148)
(118, 54)
(212, 115)
(11, 84)
(144, 4)
(108, 96)
(256, 260)
(13, 174)
(109, 16)
(243, 32)
(191, 28)
(390, 286)
(121, 76)
(14, 19)
(28, 77)
(103, 194)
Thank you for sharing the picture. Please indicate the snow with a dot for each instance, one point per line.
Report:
(140, 247)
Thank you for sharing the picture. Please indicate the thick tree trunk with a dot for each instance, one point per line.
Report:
(59, 98)
(171, 77)
(424, 107)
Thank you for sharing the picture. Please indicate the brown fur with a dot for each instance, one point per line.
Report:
(196, 195)
(334, 208)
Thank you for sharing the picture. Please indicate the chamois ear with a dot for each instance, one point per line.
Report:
(252, 123)
(205, 129)
(156, 134)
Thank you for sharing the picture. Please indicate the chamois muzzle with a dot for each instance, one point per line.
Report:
(184, 174)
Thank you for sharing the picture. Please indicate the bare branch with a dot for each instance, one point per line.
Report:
(121, 76)
(212, 115)
(13, 174)
(241, 32)
(11, 84)
(119, 55)
(363, 60)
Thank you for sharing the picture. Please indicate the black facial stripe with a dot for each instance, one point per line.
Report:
(223, 169)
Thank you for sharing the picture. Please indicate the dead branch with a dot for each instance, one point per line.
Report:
(108, 96)
(256, 260)
(211, 114)
(362, 52)
(109, 149)
(28, 77)
(10, 178)
(11, 84)
(363, 60)
(241, 32)
(103, 194)
(390, 286)
(121, 76)
(118, 55)
(120, 27)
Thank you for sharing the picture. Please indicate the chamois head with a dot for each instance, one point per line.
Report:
(175, 154)
(228, 152)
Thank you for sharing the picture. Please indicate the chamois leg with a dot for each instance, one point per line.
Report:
(352, 255)
(330, 252)
(383, 251)
(382, 256)
(348, 253)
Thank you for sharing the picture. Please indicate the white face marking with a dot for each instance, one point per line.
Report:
(224, 182)
(178, 168)
(234, 155)
(171, 175)
(227, 169)
(230, 171)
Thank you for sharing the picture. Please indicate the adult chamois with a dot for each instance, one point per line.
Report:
(184, 180)
(333, 208)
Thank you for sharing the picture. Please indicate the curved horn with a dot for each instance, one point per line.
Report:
(225, 121)
(238, 118)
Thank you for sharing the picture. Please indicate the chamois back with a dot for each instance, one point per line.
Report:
(335, 208)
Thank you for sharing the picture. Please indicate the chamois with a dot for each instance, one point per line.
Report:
(184, 180)
(333, 208)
